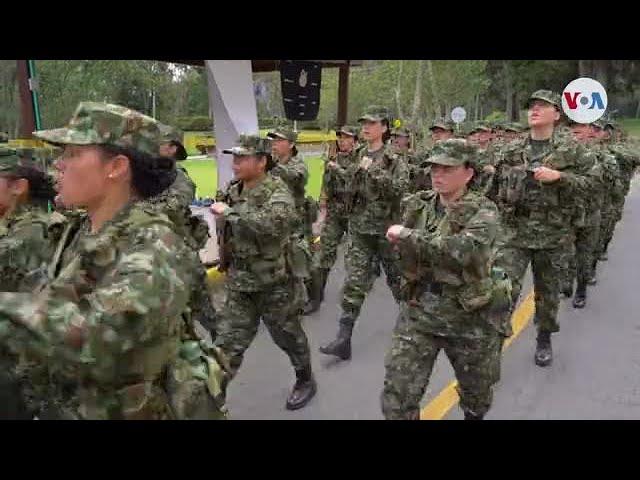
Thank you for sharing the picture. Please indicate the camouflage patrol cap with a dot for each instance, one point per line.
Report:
(11, 160)
(284, 133)
(347, 130)
(546, 96)
(400, 132)
(513, 127)
(170, 134)
(481, 127)
(442, 125)
(96, 123)
(250, 145)
(375, 113)
(453, 152)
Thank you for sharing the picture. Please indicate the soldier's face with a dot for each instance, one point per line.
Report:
(401, 142)
(508, 136)
(480, 138)
(84, 176)
(582, 133)
(281, 147)
(438, 134)
(248, 167)
(542, 114)
(7, 196)
(346, 143)
(372, 131)
(447, 179)
(168, 150)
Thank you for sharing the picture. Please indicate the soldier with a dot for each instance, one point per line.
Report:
(378, 185)
(291, 168)
(481, 136)
(25, 249)
(512, 131)
(452, 297)
(336, 190)
(535, 186)
(582, 264)
(108, 322)
(441, 131)
(175, 202)
(261, 279)
(401, 141)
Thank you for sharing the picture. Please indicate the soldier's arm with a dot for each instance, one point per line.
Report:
(293, 172)
(137, 302)
(24, 251)
(274, 220)
(479, 231)
(579, 180)
(393, 180)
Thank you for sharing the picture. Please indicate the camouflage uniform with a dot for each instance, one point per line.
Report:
(25, 249)
(336, 189)
(175, 202)
(377, 192)
(538, 219)
(263, 280)
(452, 299)
(109, 321)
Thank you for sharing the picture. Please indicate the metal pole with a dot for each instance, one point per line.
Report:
(27, 117)
(343, 93)
(33, 86)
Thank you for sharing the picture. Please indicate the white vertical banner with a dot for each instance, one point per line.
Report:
(232, 100)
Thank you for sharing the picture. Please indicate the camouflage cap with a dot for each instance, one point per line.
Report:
(170, 134)
(546, 96)
(375, 114)
(347, 130)
(453, 152)
(250, 145)
(284, 133)
(12, 159)
(401, 132)
(514, 127)
(442, 125)
(95, 123)
(481, 127)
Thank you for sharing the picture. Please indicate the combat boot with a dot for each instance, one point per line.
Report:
(580, 299)
(316, 291)
(544, 355)
(472, 416)
(303, 391)
(341, 346)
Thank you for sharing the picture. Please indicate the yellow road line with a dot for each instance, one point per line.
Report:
(439, 407)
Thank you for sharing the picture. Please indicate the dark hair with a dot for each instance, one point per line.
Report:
(150, 176)
(181, 152)
(40, 185)
(386, 136)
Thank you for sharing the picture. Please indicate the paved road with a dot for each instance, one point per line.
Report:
(595, 374)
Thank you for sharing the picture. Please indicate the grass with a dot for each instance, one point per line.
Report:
(205, 174)
(632, 125)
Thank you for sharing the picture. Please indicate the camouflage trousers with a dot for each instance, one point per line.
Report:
(582, 264)
(335, 228)
(242, 314)
(409, 363)
(549, 270)
(200, 303)
(363, 257)
(12, 400)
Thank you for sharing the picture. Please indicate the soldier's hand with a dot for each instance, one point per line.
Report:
(393, 234)
(218, 207)
(365, 163)
(546, 175)
(332, 165)
(489, 169)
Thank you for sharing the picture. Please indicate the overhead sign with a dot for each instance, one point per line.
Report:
(300, 83)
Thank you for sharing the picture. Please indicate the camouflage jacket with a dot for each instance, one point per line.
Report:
(336, 182)
(261, 220)
(377, 192)
(175, 202)
(109, 319)
(628, 160)
(26, 246)
(453, 248)
(536, 214)
(612, 182)
(294, 173)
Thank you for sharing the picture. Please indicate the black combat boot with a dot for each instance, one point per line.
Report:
(315, 290)
(303, 390)
(567, 289)
(580, 300)
(472, 416)
(544, 355)
(341, 346)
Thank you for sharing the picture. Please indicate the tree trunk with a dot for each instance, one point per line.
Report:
(434, 91)
(638, 110)
(477, 108)
(601, 71)
(508, 89)
(416, 95)
(584, 68)
(515, 112)
(398, 84)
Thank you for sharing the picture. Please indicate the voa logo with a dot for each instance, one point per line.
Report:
(584, 100)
